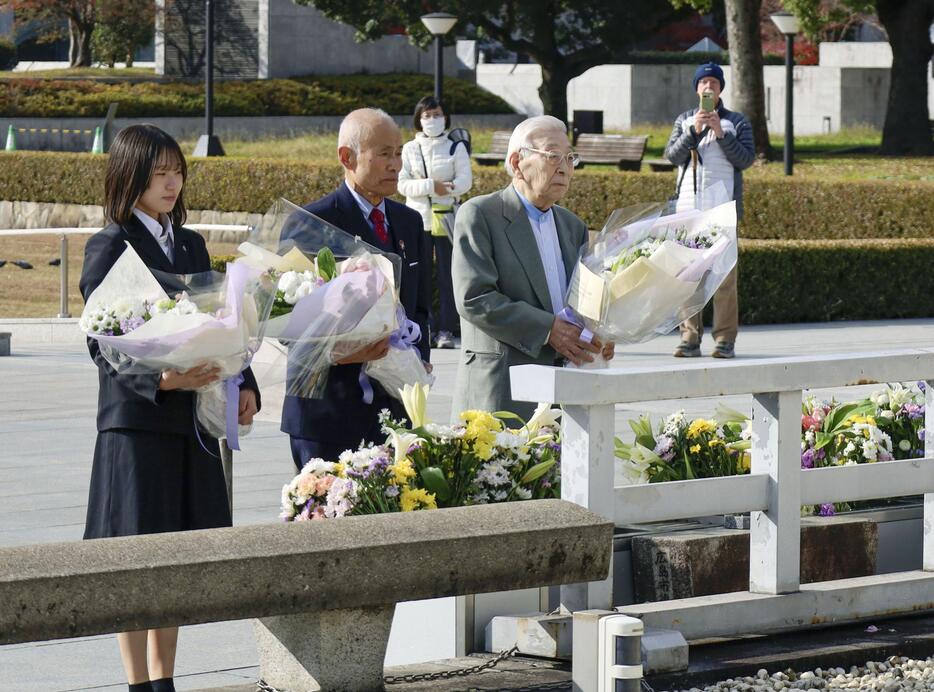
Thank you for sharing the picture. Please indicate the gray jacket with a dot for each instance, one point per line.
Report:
(502, 296)
(739, 150)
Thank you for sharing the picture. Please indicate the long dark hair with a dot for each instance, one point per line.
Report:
(427, 104)
(136, 152)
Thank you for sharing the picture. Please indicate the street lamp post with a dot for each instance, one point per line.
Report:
(209, 144)
(787, 23)
(438, 24)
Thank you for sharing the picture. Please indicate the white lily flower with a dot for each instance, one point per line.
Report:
(544, 415)
(401, 441)
(415, 401)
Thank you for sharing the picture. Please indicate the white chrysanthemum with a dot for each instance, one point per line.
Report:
(318, 466)
(523, 493)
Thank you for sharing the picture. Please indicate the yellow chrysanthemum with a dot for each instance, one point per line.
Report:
(699, 427)
(340, 470)
(481, 429)
(402, 471)
(715, 442)
(745, 461)
(694, 449)
(417, 498)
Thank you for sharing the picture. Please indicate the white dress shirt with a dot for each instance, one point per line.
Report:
(161, 230)
(546, 237)
(366, 207)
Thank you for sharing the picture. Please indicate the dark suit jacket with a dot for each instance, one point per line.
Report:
(135, 401)
(341, 417)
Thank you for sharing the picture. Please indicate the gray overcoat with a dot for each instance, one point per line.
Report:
(502, 296)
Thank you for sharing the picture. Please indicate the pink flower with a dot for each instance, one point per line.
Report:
(810, 422)
(324, 484)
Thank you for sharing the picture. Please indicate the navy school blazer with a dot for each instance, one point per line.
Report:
(135, 401)
(341, 416)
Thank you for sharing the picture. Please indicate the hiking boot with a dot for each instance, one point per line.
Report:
(724, 349)
(444, 340)
(687, 350)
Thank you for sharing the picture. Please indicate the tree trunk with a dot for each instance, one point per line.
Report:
(554, 91)
(79, 44)
(907, 130)
(747, 91)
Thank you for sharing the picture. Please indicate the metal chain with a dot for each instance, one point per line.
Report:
(263, 686)
(459, 672)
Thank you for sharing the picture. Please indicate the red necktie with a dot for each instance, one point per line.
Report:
(379, 225)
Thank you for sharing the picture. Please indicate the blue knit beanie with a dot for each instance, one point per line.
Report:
(709, 70)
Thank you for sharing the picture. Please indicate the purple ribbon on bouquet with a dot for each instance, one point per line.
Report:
(569, 316)
(406, 336)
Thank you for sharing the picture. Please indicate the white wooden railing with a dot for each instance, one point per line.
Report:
(775, 489)
(63, 234)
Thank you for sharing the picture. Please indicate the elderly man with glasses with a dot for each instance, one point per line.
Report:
(514, 253)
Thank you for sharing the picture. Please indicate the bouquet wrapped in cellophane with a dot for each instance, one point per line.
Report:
(334, 295)
(146, 321)
(645, 272)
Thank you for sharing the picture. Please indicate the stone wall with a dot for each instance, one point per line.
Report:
(56, 215)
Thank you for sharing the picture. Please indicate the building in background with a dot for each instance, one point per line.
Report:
(277, 38)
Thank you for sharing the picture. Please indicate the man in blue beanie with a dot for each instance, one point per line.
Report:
(711, 145)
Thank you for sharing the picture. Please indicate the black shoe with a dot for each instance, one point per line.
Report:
(22, 264)
(54, 262)
(163, 685)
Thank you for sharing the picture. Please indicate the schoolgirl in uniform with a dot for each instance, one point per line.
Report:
(151, 473)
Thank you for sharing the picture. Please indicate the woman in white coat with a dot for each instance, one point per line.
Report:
(435, 173)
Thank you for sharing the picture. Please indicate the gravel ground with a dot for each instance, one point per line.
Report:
(896, 674)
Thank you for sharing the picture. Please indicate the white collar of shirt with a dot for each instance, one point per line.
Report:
(549, 249)
(161, 230)
(365, 205)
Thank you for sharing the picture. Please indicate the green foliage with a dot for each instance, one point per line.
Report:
(123, 26)
(8, 57)
(396, 93)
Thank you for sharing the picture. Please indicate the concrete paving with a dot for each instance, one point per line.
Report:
(47, 406)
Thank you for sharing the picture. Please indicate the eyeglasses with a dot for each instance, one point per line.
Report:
(554, 158)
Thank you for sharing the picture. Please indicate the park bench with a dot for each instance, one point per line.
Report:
(624, 151)
(325, 591)
(497, 152)
(660, 165)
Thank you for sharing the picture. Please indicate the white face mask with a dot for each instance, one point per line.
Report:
(433, 127)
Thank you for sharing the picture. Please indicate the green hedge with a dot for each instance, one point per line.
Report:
(827, 280)
(394, 93)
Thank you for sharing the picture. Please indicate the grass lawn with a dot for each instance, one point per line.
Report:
(83, 73)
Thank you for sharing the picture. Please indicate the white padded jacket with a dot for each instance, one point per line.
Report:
(440, 164)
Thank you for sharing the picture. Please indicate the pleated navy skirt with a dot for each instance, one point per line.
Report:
(148, 482)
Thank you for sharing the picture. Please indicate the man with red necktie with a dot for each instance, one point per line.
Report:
(369, 146)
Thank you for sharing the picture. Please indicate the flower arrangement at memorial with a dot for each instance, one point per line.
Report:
(423, 465)
(886, 425)
(645, 273)
(683, 449)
